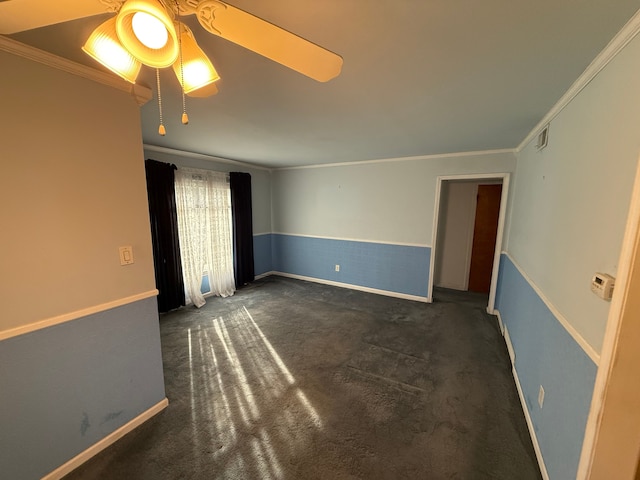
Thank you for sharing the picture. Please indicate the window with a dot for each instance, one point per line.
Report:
(203, 203)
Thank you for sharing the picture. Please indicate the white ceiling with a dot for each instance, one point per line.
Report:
(420, 77)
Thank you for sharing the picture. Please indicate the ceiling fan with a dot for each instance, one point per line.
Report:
(131, 42)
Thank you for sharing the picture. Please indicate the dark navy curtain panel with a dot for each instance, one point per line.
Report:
(240, 184)
(164, 234)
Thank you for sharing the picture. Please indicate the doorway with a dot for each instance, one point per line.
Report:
(468, 225)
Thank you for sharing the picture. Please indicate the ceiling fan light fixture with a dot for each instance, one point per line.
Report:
(204, 92)
(103, 46)
(149, 30)
(197, 69)
(141, 26)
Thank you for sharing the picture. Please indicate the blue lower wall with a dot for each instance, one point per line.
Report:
(547, 355)
(262, 253)
(393, 268)
(65, 387)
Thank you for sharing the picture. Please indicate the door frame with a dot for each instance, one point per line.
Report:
(501, 223)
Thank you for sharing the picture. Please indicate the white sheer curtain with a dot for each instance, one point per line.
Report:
(203, 201)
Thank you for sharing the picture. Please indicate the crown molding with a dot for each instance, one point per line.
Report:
(140, 93)
(201, 156)
(615, 46)
(403, 159)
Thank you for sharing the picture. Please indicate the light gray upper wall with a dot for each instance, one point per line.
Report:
(390, 201)
(260, 181)
(72, 192)
(572, 198)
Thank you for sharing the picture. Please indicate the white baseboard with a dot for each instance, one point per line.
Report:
(350, 286)
(525, 409)
(512, 352)
(497, 314)
(262, 275)
(96, 448)
(534, 439)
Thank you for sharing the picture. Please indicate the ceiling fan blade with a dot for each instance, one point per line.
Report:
(19, 15)
(268, 40)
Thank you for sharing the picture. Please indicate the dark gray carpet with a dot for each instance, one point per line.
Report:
(295, 380)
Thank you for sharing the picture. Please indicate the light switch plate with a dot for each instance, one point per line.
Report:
(126, 255)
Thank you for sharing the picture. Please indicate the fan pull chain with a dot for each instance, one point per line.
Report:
(185, 117)
(161, 129)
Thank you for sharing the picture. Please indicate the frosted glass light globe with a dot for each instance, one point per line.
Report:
(149, 30)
